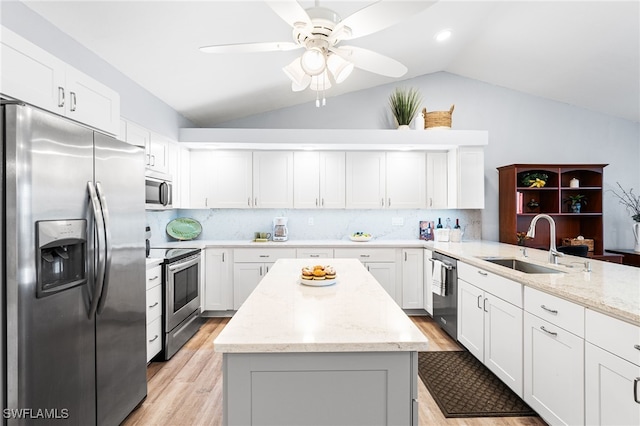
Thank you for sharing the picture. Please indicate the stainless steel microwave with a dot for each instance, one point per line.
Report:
(158, 191)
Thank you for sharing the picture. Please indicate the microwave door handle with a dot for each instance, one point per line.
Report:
(107, 247)
(164, 193)
(99, 230)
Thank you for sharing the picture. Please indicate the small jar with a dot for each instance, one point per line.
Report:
(574, 183)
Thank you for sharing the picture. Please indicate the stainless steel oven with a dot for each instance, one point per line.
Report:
(182, 269)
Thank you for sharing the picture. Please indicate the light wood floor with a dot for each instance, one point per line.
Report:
(187, 390)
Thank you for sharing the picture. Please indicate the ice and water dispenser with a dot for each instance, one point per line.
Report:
(61, 255)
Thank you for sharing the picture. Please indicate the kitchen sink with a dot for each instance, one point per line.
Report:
(522, 266)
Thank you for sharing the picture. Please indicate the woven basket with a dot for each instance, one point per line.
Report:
(575, 242)
(437, 118)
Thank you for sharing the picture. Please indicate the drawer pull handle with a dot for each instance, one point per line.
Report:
(154, 278)
(547, 331)
(484, 305)
(154, 338)
(635, 389)
(265, 255)
(637, 347)
(314, 255)
(483, 273)
(154, 305)
(365, 255)
(551, 311)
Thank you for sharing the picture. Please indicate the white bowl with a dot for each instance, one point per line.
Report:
(360, 238)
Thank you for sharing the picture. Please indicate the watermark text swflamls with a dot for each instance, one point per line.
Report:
(35, 413)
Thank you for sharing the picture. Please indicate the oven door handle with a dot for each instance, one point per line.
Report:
(184, 265)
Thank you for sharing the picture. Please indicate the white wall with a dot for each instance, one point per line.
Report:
(136, 103)
(522, 129)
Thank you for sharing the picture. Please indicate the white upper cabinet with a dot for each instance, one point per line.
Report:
(273, 179)
(158, 153)
(466, 175)
(318, 180)
(437, 180)
(405, 180)
(220, 179)
(365, 180)
(34, 76)
(178, 166)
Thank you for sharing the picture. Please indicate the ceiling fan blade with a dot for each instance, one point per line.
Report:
(290, 11)
(369, 60)
(377, 17)
(250, 47)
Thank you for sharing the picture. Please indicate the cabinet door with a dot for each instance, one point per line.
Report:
(91, 102)
(218, 286)
(553, 372)
(158, 153)
(405, 180)
(385, 274)
(470, 173)
(139, 136)
(428, 279)
(272, 179)
(503, 341)
(412, 279)
(31, 74)
(612, 391)
(246, 277)
(231, 179)
(471, 318)
(332, 180)
(201, 179)
(184, 178)
(365, 180)
(306, 180)
(437, 180)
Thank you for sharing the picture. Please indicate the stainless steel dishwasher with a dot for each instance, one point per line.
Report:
(445, 295)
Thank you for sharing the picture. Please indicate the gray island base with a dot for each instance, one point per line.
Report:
(344, 354)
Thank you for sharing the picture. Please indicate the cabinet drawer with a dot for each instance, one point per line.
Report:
(557, 311)
(263, 255)
(154, 303)
(366, 255)
(154, 338)
(504, 288)
(314, 253)
(154, 276)
(618, 337)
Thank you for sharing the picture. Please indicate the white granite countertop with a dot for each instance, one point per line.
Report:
(610, 288)
(354, 315)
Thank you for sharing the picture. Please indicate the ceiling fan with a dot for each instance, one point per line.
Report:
(320, 32)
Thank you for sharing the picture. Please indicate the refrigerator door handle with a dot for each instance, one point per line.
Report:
(107, 246)
(100, 243)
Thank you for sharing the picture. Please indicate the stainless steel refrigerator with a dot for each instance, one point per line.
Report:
(73, 272)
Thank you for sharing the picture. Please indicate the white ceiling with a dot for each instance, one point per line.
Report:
(584, 53)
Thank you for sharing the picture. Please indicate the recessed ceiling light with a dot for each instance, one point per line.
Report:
(442, 35)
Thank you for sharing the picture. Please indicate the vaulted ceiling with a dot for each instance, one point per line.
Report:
(584, 53)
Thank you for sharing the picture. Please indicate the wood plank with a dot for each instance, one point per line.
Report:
(187, 389)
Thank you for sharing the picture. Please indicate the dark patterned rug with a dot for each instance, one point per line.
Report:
(463, 387)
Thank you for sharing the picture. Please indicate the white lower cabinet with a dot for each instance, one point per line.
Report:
(553, 371)
(154, 310)
(427, 293)
(250, 266)
(218, 285)
(380, 262)
(491, 329)
(412, 279)
(612, 371)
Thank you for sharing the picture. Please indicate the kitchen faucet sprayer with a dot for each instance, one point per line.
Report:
(531, 233)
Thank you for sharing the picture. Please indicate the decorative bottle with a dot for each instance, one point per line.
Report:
(457, 225)
(439, 225)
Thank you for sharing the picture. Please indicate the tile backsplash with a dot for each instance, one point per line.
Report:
(241, 224)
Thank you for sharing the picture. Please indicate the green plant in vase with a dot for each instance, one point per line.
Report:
(576, 202)
(404, 105)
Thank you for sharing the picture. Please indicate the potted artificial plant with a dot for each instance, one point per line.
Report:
(404, 104)
(576, 202)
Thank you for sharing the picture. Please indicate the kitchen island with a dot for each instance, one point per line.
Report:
(300, 355)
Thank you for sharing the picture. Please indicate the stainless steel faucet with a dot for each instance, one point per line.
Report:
(531, 233)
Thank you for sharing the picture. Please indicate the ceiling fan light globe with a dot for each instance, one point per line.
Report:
(295, 72)
(339, 67)
(313, 61)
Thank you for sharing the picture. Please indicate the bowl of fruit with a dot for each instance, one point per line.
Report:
(360, 237)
